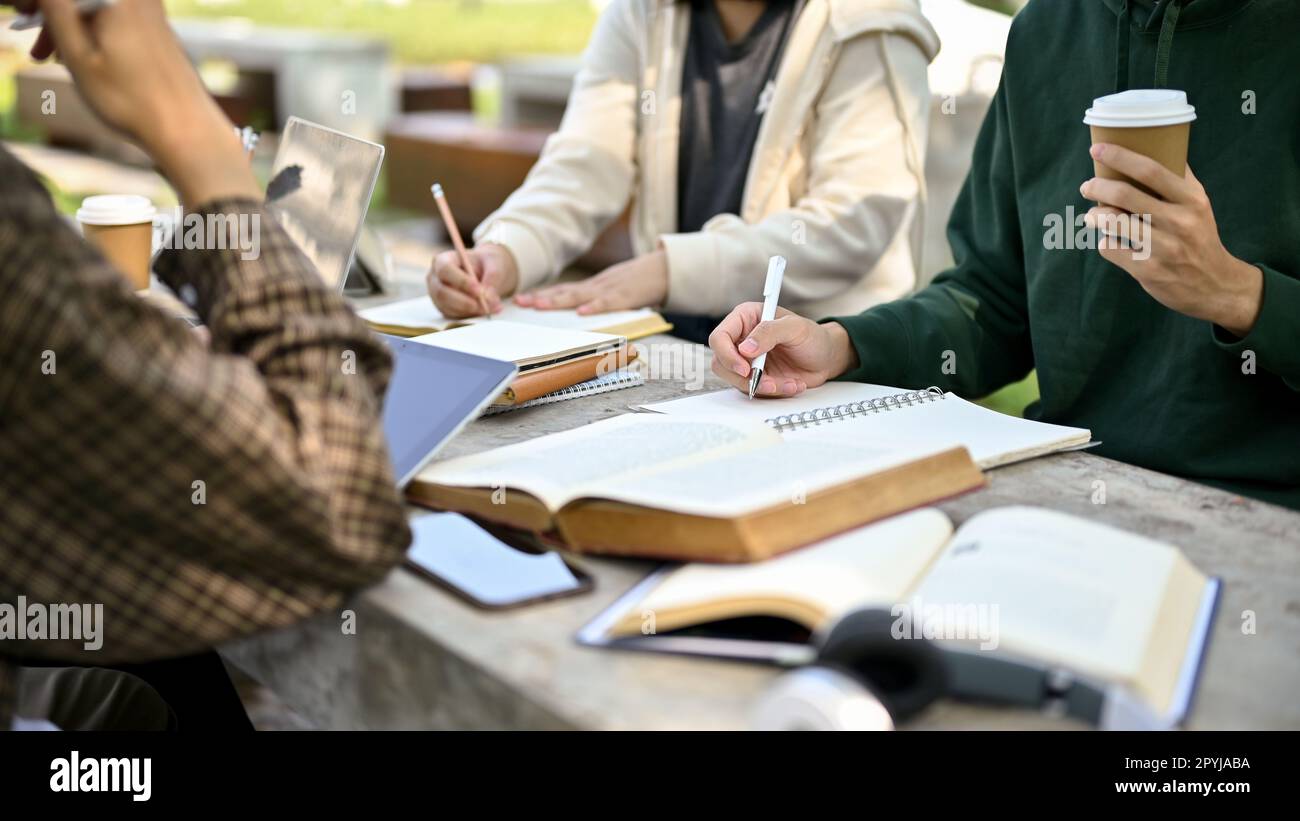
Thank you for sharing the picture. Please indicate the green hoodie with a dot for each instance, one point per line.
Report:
(1157, 388)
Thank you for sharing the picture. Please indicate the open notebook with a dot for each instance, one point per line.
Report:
(1027, 582)
(696, 489)
(860, 413)
(419, 316)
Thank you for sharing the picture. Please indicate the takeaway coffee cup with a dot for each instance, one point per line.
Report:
(121, 226)
(1155, 122)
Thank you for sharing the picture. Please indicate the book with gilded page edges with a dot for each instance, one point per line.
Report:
(711, 490)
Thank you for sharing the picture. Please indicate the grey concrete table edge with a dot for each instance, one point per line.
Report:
(419, 658)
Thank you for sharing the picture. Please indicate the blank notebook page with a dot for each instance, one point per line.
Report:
(420, 312)
(992, 438)
(522, 344)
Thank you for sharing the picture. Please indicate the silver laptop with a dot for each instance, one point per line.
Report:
(320, 190)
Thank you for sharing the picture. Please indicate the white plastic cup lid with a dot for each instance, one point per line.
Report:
(116, 209)
(1141, 108)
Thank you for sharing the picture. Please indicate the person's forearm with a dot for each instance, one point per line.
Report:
(203, 158)
(262, 488)
(1271, 335)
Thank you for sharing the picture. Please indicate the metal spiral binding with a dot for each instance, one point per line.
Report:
(836, 413)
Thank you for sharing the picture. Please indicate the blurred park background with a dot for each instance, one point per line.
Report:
(460, 91)
(457, 33)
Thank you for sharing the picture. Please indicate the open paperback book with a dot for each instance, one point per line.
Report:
(1028, 583)
(682, 488)
(859, 413)
(419, 316)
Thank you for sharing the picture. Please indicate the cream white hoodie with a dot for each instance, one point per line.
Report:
(835, 183)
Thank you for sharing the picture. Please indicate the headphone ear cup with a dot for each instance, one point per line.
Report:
(907, 674)
(817, 697)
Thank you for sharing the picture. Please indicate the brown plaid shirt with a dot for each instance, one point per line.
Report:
(111, 412)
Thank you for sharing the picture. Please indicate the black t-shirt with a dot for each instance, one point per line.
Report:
(726, 88)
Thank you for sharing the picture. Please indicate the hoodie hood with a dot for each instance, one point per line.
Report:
(1162, 19)
(851, 18)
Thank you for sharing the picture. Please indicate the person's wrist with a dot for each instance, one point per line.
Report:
(509, 267)
(842, 357)
(203, 158)
(1243, 308)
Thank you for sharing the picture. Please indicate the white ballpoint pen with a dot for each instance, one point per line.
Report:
(771, 296)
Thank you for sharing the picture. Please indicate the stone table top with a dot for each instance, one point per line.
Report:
(421, 658)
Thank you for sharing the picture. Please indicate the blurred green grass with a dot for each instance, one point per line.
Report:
(1013, 399)
(419, 31)
(425, 31)
(437, 31)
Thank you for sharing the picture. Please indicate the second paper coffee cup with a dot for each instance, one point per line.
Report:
(1156, 123)
(121, 226)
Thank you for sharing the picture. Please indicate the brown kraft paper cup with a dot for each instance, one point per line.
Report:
(1166, 144)
(1153, 122)
(128, 247)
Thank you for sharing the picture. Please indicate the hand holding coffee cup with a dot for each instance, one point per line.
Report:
(1149, 198)
(1155, 123)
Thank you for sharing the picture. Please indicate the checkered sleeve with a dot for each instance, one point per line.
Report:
(198, 493)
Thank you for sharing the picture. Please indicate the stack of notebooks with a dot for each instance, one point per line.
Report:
(1028, 583)
(550, 360)
(616, 381)
(721, 478)
(419, 316)
(556, 351)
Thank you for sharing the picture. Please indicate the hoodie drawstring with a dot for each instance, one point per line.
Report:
(1164, 47)
(1166, 44)
(1121, 48)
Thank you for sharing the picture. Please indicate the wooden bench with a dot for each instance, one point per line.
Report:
(479, 166)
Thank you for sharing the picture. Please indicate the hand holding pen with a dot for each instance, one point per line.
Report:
(771, 296)
(767, 351)
(459, 244)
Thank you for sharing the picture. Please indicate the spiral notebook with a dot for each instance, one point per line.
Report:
(854, 413)
(616, 381)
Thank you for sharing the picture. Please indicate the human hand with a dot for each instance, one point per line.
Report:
(638, 283)
(1181, 262)
(133, 73)
(456, 291)
(801, 354)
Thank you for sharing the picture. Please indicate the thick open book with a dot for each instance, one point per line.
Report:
(690, 489)
(1025, 582)
(419, 316)
(858, 413)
